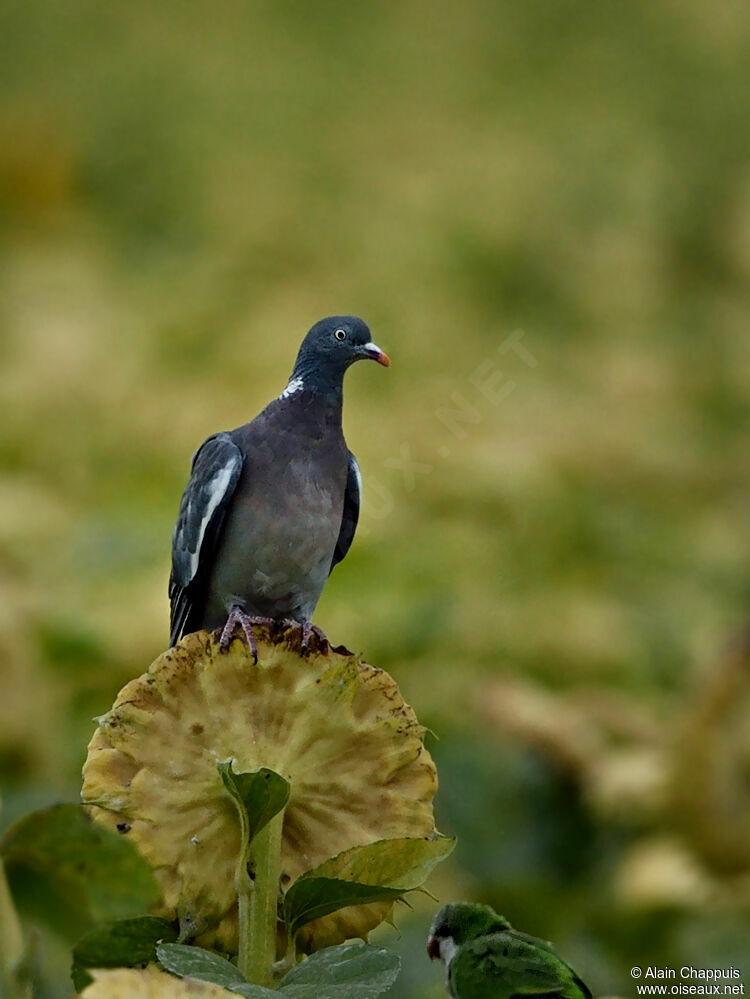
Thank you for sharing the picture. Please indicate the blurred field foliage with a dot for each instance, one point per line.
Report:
(185, 187)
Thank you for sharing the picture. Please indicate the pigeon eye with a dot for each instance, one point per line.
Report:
(340, 334)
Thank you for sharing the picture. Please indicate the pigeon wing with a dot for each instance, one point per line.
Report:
(350, 514)
(216, 468)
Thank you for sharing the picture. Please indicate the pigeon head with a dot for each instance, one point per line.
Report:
(458, 922)
(331, 346)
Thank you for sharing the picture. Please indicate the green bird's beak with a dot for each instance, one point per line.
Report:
(433, 948)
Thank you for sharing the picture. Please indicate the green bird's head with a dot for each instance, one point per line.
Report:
(458, 922)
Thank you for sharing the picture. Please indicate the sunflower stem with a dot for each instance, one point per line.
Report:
(288, 961)
(258, 897)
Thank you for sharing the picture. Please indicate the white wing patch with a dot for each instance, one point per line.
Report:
(217, 488)
(295, 385)
(358, 475)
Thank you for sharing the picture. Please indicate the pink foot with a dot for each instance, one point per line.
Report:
(238, 616)
(308, 630)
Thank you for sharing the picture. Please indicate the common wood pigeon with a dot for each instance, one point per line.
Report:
(272, 507)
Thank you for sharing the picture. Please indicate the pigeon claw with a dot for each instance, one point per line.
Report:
(309, 635)
(238, 617)
(308, 630)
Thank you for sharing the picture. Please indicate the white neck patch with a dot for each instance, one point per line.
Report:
(295, 385)
(448, 948)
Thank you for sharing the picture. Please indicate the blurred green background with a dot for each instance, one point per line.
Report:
(554, 575)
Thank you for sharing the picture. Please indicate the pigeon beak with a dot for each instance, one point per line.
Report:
(433, 948)
(372, 350)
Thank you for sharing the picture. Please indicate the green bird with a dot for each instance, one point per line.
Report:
(485, 958)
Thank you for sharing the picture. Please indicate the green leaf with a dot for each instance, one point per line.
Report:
(194, 962)
(72, 873)
(256, 992)
(123, 944)
(312, 898)
(381, 871)
(351, 971)
(393, 863)
(259, 796)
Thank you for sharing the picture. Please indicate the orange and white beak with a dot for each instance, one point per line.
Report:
(372, 350)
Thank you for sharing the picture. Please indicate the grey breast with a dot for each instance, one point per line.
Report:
(277, 545)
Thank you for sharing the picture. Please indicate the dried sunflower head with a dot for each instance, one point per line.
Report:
(335, 727)
(148, 983)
